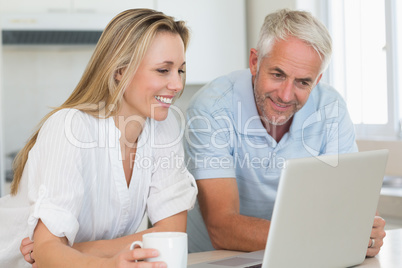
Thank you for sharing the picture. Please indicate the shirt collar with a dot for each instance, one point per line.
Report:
(246, 116)
(303, 115)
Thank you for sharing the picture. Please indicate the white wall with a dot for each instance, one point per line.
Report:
(258, 9)
(218, 36)
(35, 79)
(256, 12)
(38, 78)
(2, 190)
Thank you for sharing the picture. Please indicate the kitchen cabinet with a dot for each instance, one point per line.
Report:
(68, 6)
(107, 6)
(34, 6)
(218, 28)
(218, 36)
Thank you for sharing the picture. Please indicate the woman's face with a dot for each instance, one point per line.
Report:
(158, 79)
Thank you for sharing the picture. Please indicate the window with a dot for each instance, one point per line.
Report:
(398, 71)
(365, 62)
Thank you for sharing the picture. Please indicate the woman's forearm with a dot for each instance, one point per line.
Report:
(108, 248)
(52, 251)
(56, 254)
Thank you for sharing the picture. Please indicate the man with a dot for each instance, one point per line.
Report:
(242, 127)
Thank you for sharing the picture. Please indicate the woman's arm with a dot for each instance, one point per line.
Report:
(52, 251)
(108, 248)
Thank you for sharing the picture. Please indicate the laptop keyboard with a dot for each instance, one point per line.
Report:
(254, 266)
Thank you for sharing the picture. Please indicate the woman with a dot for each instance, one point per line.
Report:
(84, 180)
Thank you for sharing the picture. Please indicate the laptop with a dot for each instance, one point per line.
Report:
(323, 213)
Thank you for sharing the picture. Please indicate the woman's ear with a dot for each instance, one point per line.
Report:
(118, 75)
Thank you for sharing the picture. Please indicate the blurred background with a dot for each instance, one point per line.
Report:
(46, 44)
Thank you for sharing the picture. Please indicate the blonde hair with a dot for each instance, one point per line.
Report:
(122, 46)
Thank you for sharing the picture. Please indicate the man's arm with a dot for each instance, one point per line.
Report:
(219, 204)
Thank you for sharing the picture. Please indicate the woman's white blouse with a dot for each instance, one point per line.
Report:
(76, 183)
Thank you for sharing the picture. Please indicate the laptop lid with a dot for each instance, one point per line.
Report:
(323, 213)
(324, 210)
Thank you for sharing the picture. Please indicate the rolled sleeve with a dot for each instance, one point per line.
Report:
(60, 222)
(54, 170)
(172, 188)
(166, 201)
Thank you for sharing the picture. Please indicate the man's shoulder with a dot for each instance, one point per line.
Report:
(218, 93)
(326, 94)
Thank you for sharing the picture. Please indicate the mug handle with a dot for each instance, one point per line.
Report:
(135, 243)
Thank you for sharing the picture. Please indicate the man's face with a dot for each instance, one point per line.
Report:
(284, 79)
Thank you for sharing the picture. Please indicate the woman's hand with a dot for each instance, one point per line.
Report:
(128, 258)
(133, 258)
(26, 249)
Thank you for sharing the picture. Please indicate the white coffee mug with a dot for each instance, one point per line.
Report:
(172, 247)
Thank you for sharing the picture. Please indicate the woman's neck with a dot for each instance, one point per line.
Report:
(130, 128)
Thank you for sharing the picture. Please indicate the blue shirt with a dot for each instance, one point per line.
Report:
(225, 138)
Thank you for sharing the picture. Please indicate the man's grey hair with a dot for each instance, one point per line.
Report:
(300, 24)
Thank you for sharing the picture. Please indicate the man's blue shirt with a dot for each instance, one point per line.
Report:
(225, 138)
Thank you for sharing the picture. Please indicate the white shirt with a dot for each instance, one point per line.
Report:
(74, 182)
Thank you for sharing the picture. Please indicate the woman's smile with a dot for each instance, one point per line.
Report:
(166, 101)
